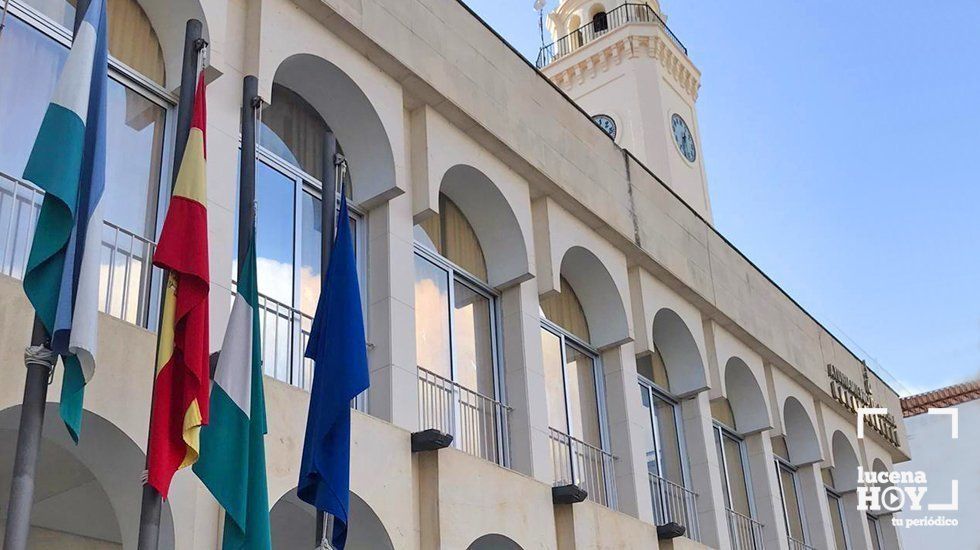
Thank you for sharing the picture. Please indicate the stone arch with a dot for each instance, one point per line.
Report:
(601, 300)
(845, 462)
(679, 351)
(294, 525)
(494, 542)
(801, 436)
(746, 397)
(494, 221)
(88, 491)
(351, 116)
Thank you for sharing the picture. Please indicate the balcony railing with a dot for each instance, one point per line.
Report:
(799, 545)
(126, 274)
(285, 332)
(675, 503)
(477, 423)
(589, 467)
(622, 15)
(745, 532)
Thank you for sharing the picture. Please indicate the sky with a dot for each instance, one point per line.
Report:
(842, 146)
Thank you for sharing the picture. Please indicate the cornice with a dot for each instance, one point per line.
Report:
(680, 69)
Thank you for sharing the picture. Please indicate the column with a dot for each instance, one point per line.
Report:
(815, 506)
(765, 489)
(624, 416)
(393, 395)
(705, 472)
(524, 386)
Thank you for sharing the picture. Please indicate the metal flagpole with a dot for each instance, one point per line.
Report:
(40, 362)
(149, 533)
(246, 194)
(328, 215)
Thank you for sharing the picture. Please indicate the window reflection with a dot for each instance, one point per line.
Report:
(791, 501)
(554, 380)
(474, 353)
(582, 396)
(432, 346)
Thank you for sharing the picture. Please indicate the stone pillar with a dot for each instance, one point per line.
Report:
(815, 506)
(624, 414)
(393, 395)
(765, 489)
(524, 385)
(857, 523)
(705, 472)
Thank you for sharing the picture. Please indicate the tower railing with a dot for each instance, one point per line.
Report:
(600, 25)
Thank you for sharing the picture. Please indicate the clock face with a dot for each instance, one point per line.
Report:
(683, 138)
(607, 124)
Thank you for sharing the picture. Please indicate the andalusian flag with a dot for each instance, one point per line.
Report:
(180, 393)
(68, 163)
(232, 463)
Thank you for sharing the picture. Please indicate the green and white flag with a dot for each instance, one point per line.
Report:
(232, 461)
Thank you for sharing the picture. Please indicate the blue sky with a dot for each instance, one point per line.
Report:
(842, 145)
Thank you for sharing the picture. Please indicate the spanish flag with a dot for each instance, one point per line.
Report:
(180, 393)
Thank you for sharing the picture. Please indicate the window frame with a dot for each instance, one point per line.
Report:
(456, 274)
(723, 431)
(133, 81)
(653, 390)
(839, 502)
(566, 338)
(783, 465)
(874, 530)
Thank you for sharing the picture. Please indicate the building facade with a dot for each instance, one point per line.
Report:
(556, 300)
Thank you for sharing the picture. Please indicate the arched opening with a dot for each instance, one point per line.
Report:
(574, 33)
(745, 397)
(293, 524)
(600, 23)
(85, 495)
(348, 113)
(461, 256)
(801, 436)
(585, 316)
(494, 542)
(677, 351)
(846, 463)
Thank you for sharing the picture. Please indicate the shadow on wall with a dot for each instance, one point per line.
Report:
(294, 525)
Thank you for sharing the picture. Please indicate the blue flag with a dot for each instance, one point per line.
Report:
(338, 350)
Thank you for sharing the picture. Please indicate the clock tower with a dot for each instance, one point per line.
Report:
(621, 63)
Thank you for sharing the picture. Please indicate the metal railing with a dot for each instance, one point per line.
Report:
(126, 273)
(675, 503)
(587, 466)
(600, 25)
(745, 532)
(799, 545)
(476, 422)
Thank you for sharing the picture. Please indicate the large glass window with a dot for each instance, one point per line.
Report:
(874, 528)
(734, 470)
(574, 396)
(792, 506)
(30, 62)
(662, 434)
(456, 335)
(837, 520)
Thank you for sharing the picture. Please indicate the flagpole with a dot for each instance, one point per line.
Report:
(328, 215)
(246, 193)
(149, 533)
(40, 362)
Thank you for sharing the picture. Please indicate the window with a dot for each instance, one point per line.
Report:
(734, 470)
(837, 519)
(874, 528)
(600, 22)
(573, 391)
(289, 228)
(456, 330)
(137, 115)
(789, 490)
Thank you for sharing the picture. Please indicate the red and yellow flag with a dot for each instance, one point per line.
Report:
(180, 393)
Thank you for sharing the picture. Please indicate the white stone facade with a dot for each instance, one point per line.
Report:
(427, 101)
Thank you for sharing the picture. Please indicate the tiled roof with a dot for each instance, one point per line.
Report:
(943, 397)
